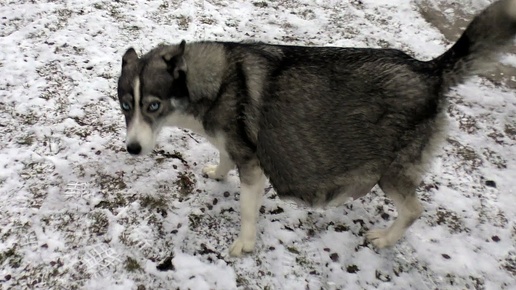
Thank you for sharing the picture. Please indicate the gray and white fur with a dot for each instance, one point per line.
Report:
(324, 124)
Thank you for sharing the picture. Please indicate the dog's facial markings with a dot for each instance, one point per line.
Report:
(136, 94)
(141, 136)
(153, 107)
(126, 106)
(130, 63)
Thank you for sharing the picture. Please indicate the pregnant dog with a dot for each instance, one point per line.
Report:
(324, 124)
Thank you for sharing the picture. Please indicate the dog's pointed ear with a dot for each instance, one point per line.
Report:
(129, 56)
(175, 61)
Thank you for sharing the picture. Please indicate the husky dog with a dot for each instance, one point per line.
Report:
(324, 124)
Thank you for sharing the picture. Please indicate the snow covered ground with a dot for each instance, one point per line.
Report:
(77, 212)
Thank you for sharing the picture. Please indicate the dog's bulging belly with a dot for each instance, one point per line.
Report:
(320, 201)
(328, 191)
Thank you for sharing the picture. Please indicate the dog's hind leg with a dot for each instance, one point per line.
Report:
(252, 184)
(401, 188)
(402, 178)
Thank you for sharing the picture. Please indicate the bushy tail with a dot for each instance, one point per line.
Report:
(476, 49)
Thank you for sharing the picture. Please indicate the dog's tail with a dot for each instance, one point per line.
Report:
(476, 49)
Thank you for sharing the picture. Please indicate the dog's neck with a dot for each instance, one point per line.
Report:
(186, 121)
(206, 67)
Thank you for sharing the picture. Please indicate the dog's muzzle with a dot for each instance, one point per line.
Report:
(134, 148)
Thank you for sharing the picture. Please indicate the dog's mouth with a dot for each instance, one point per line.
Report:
(140, 138)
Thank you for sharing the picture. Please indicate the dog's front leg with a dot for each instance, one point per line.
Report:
(219, 172)
(252, 183)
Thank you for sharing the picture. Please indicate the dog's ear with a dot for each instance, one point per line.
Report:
(129, 56)
(175, 61)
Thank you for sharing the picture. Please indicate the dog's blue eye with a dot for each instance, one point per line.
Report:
(126, 106)
(153, 107)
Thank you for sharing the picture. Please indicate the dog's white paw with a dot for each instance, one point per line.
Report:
(240, 246)
(210, 171)
(381, 238)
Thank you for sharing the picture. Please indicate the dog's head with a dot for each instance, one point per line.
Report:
(151, 89)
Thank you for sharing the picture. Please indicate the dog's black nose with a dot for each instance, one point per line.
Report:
(134, 148)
